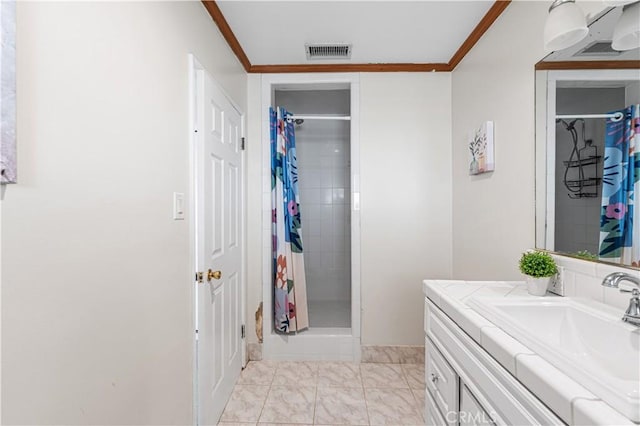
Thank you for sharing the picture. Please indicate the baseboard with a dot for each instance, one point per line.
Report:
(392, 354)
(369, 354)
(254, 351)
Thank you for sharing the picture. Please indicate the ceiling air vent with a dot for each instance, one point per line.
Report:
(328, 51)
(598, 48)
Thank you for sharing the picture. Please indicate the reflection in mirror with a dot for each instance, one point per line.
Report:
(588, 157)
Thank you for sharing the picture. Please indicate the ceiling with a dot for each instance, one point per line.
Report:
(269, 36)
(389, 32)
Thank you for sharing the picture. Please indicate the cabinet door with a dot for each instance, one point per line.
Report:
(471, 412)
(442, 383)
(433, 417)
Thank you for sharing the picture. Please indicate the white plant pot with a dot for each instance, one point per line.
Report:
(538, 286)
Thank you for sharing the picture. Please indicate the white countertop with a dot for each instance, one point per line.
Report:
(569, 400)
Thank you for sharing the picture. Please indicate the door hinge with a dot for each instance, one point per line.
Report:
(242, 141)
(242, 331)
(199, 277)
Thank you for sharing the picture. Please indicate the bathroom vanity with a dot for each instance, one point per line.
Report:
(478, 374)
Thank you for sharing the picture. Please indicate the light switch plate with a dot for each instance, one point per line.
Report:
(178, 206)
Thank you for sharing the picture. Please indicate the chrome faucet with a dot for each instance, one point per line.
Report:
(632, 314)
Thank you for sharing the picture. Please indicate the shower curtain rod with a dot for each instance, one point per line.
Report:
(319, 117)
(616, 116)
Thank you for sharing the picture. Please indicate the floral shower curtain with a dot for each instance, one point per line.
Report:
(619, 220)
(290, 292)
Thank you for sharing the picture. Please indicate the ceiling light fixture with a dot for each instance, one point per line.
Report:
(566, 25)
(626, 34)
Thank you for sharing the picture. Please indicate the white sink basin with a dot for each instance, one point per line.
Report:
(592, 346)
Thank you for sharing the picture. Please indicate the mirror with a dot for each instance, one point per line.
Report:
(579, 164)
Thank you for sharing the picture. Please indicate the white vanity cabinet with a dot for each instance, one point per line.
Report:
(466, 386)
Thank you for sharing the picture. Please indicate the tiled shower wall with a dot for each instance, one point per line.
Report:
(323, 172)
(323, 154)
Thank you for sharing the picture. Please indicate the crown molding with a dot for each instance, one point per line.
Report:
(485, 23)
(305, 68)
(227, 33)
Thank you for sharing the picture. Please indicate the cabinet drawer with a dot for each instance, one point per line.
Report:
(442, 381)
(433, 417)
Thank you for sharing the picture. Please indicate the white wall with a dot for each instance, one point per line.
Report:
(97, 294)
(493, 214)
(254, 171)
(632, 94)
(405, 143)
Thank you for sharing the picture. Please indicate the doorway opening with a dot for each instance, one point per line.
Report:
(324, 110)
(324, 170)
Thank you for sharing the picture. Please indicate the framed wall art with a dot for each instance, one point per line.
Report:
(8, 160)
(481, 158)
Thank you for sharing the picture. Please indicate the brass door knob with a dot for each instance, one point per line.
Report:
(215, 275)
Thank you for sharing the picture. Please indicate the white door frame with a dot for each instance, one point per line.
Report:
(311, 345)
(196, 71)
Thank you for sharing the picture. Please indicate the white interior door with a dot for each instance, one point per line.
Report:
(219, 248)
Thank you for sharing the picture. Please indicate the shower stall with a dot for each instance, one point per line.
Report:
(325, 121)
(323, 159)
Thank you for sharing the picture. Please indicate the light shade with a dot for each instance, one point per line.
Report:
(566, 25)
(626, 35)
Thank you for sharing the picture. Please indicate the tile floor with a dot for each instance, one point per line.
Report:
(326, 393)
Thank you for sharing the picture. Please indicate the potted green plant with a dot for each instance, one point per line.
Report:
(586, 254)
(539, 267)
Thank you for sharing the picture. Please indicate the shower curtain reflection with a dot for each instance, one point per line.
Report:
(619, 224)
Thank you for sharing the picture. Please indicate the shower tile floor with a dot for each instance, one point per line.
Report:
(329, 314)
(326, 393)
